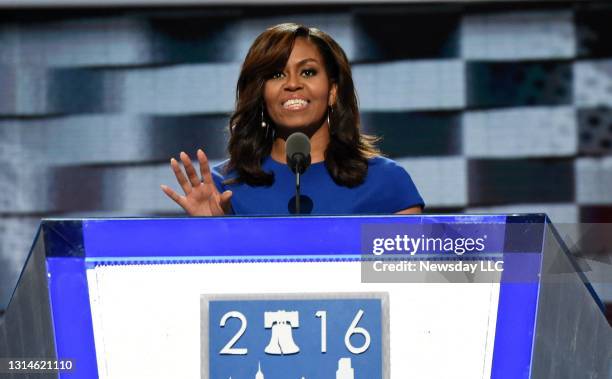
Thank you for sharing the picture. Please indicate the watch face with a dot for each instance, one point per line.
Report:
(342, 336)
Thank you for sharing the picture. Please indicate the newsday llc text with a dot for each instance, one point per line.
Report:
(435, 266)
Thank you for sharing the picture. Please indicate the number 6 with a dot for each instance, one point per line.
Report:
(354, 329)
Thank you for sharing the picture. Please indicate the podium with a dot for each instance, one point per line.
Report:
(306, 297)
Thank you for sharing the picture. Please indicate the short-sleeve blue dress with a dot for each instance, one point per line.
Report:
(387, 189)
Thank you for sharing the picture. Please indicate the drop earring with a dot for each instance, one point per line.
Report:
(263, 121)
(265, 125)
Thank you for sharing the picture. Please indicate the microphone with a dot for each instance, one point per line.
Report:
(297, 148)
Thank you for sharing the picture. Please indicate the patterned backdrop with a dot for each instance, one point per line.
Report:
(491, 108)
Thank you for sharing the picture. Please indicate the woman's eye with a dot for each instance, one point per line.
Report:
(277, 75)
(309, 72)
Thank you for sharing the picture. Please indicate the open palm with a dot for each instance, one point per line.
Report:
(201, 195)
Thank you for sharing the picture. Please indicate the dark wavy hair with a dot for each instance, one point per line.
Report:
(346, 156)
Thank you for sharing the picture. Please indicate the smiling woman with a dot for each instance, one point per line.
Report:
(294, 79)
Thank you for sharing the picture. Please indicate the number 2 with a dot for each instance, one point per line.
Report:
(229, 349)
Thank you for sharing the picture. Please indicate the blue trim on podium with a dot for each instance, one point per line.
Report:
(514, 335)
(71, 314)
(216, 236)
(175, 237)
(514, 331)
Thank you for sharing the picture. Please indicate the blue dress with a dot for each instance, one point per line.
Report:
(387, 189)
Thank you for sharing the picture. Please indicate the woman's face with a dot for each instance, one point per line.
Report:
(299, 95)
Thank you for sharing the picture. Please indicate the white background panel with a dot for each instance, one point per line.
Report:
(11, 147)
(593, 83)
(520, 132)
(518, 35)
(24, 188)
(79, 42)
(593, 180)
(442, 182)
(76, 139)
(24, 90)
(410, 85)
(181, 89)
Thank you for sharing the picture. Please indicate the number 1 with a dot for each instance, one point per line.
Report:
(323, 316)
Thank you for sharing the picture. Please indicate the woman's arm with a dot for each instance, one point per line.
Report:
(410, 211)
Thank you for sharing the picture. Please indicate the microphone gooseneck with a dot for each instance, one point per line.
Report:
(297, 148)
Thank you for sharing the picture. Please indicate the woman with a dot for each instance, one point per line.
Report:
(295, 79)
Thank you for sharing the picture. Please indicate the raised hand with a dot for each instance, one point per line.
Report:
(201, 195)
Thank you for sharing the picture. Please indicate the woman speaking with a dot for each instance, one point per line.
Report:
(295, 79)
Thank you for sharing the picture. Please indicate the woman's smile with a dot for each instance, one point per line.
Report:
(296, 104)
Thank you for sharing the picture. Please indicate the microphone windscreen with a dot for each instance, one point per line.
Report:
(297, 143)
(297, 148)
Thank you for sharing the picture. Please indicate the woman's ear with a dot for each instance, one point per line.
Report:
(332, 95)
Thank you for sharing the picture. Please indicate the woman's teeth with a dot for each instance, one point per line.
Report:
(295, 104)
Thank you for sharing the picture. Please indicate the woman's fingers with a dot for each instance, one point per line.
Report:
(191, 173)
(199, 200)
(204, 167)
(180, 177)
(226, 196)
(173, 195)
(224, 201)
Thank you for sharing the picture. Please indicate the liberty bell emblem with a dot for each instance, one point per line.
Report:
(282, 323)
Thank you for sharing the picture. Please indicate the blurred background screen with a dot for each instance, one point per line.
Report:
(490, 106)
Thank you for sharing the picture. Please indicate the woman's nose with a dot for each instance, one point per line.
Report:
(294, 81)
